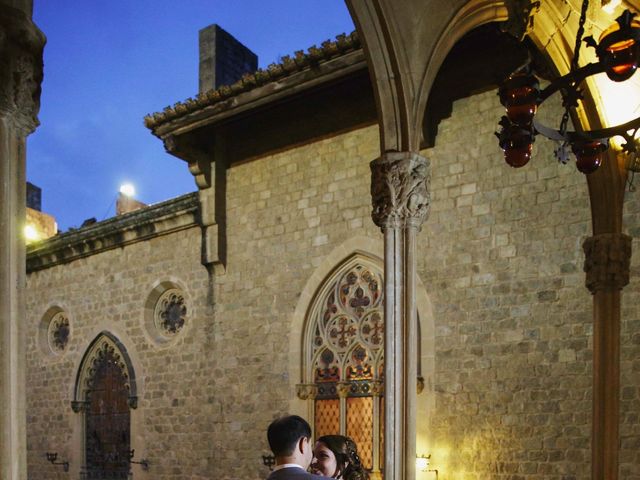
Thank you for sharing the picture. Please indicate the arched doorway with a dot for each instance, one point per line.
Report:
(105, 394)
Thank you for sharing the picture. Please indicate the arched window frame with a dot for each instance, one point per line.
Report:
(309, 390)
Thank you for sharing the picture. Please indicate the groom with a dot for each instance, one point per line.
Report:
(290, 441)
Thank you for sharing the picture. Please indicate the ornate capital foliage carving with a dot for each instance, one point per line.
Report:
(306, 391)
(377, 388)
(343, 388)
(607, 260)
(400, 190)
(21, 46)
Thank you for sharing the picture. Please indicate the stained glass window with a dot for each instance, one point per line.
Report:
(345, 333)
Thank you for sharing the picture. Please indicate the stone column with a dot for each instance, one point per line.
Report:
(400, 195)
(343, 392)
(607, 260)
(377, 391)
(21, 45)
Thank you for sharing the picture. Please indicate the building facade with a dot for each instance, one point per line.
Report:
(174, 334)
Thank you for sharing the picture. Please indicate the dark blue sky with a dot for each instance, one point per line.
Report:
(108, 64)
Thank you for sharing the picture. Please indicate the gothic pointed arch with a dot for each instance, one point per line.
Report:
(105, 393)
(342, 345)
(105, 344)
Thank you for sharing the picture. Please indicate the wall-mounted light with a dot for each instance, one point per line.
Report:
(53, 456)
(31, 233)
(127, 189)
(144, 463)
(423, 462)
(268, 461)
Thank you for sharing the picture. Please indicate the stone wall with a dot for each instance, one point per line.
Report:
(500, 258)
(108, 292)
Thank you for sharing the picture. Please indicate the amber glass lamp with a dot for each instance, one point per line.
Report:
(516, 142)
(618, 54)
(519, 96)
(588, 155)
(619, 47)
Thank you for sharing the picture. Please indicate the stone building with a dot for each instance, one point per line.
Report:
(177, 332)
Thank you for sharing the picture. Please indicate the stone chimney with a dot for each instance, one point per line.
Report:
(223, 59)
(126, 204)
(34, 197)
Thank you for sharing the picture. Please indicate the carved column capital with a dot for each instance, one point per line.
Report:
(21, 45)
(420, 385)
(400, 190)
(344, 388)
(377, 388)
(607, 260)
(306, 391)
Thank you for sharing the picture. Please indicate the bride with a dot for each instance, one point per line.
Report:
(336, 456)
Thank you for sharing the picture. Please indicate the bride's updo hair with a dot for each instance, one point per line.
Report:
(346, 453)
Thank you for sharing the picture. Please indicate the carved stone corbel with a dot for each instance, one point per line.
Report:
(521, 15)
(400, 190)
(607, 261)
(79, 406)
(199, 164)
(306, 391)
(21, 46)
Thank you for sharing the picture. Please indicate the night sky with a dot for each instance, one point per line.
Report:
(108, 64)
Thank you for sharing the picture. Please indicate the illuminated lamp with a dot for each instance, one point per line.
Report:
(31, 233)
(516, 143)
(519, 96)
(588, 155)
(618, 56)
(619, 47)
(422, 462)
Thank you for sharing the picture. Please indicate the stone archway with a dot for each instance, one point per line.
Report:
(105, 392)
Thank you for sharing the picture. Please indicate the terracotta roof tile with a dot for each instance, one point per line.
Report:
(329, 49)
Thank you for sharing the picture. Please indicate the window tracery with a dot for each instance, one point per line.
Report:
(58, 332)
(344, 352)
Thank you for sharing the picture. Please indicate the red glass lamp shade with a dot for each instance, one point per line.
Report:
(588, 155)
(516, 143)
(519, 96)
(619, 48)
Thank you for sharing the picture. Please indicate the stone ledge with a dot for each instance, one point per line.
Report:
(156, 220)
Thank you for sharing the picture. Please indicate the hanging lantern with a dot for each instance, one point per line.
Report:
(516, 143)
(618, 56)
(619, 48)
(588, 155)
(519, 95)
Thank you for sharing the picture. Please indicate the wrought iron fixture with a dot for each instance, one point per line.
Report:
(52, 457)
(268, 461)
(423, 462)
(144, 463)
(618, 54)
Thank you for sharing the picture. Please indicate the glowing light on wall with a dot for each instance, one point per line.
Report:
(127, 189)
(31, 234)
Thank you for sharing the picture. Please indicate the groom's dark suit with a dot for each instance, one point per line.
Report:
(293, 473)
